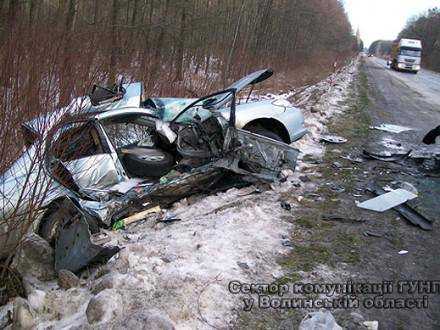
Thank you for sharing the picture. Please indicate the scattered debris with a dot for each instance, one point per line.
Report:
(341, 218)
(121, 224)
(170, 217)
(336, 187)
(286, 206)
(432, 136)
(392, 128)
(403, 252)
(319, 320)
(333, 139)
(353, 159)
(287, 243)
(74, 248)
(304, 178)
(407, 212)
(387, 201)
(405, 185)
(372, 234)
(386, 156)
(337, 165)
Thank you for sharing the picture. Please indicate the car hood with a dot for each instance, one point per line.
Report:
(168, 107)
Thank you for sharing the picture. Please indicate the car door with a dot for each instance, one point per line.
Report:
(256, 155)
(79, 158)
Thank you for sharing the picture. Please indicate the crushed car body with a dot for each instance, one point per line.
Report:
(112, 160)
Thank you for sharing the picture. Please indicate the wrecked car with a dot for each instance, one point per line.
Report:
(276, 119)
(103, 165)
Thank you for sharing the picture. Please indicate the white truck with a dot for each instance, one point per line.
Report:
(406, 55)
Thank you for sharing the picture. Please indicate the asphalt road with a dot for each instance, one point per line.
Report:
(413, 101)
(426, 83)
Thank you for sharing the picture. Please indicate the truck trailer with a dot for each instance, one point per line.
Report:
(406, 55)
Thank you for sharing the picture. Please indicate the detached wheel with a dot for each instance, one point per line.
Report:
(265, 132)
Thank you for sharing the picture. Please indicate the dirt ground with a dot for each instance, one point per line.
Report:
(334, 241)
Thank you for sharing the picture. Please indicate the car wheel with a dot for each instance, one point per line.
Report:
(49, 227)
(265, 132)
(147, 162)
(51, 221)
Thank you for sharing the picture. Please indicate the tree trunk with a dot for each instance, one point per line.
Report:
(181, 44)
(113, 62)
(66, 66)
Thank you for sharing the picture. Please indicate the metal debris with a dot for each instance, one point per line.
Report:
(74, 249)
(170, 217)
(392, 128)
(353, 159)
(286, 206)
(333, 139)
(407, 212)
(386, 156)
(336, 187)
(341, 218)
(387, 201)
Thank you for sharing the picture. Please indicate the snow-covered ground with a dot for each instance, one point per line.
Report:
(181, 271)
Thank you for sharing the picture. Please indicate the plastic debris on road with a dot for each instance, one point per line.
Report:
(387, 201)
(333, 139)
(392, 128)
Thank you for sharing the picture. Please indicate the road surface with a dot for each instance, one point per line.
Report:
(426, 83)
(413, 101)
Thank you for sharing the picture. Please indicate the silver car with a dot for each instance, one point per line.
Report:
(276, 119)
(85, 170)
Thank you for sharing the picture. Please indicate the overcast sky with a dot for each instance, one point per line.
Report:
(384, 19)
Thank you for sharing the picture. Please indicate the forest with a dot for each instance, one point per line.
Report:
(54, 50)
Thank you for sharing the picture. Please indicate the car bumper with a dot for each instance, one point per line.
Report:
(408, 67)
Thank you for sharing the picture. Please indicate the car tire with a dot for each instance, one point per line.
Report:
(49, 228)
(147, 162)
(265, 132)
(50, 223)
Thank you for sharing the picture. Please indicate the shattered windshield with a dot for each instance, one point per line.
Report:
(127, 131)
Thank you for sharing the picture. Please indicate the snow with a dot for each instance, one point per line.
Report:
(184, 268)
